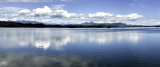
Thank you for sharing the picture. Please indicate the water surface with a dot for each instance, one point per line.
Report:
(79, 47)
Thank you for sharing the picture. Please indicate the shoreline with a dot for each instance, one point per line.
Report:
(4, 24)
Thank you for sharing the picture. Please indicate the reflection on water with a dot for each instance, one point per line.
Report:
(64, 47)
(34, 60)
(56, 39)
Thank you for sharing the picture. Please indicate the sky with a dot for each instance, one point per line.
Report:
(139, 12)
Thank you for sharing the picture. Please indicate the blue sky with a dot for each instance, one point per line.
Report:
(146, 12)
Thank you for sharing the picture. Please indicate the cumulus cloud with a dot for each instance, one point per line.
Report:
(47, 12)
(44, 10)
(24, 11)
(134, 16)
(63, 16)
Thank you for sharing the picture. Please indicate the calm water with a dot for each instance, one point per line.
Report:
(64, 47)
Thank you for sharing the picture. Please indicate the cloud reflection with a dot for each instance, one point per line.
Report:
(35, 60)
(57, 38)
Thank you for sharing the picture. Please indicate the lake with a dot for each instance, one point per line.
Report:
(80, 47)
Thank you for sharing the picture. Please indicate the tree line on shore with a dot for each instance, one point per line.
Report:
(41, 25)
(18, 24)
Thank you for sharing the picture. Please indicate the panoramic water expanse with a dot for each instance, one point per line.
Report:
(79, 47)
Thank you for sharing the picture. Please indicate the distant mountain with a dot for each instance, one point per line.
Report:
(134, 25)
(106, 24)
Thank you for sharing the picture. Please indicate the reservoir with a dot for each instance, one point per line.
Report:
(80, 47)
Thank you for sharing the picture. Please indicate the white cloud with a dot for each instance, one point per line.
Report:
(10, 9)
(47, 14)
(134, 16)
(58, 6)
(8, 15)
(44, 10)
(101, 15)
(157, 22)
(24, 12)
(108, 17)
